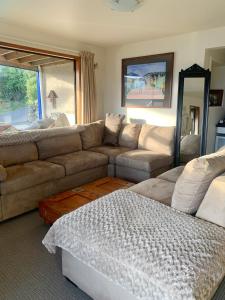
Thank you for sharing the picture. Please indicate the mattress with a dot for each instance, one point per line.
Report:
(149, 250)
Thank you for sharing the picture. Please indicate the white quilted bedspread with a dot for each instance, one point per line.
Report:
(149, 249)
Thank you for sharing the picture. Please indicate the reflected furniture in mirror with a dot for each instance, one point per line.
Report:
(192, 114)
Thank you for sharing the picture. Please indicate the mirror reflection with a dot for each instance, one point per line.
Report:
(192, 114)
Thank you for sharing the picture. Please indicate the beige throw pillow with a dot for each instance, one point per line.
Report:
(129, 134)
(113, 124)
(212, 208)
(195, 180)
(92, 135)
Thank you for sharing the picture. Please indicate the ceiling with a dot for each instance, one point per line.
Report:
(27, 60)
(93, 22)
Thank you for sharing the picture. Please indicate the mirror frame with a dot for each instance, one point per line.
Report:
(195, 71)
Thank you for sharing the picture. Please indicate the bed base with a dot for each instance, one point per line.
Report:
(90, 281)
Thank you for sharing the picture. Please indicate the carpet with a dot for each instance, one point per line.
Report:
(27, 270)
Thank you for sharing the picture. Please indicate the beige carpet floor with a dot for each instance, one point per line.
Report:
(27, 270)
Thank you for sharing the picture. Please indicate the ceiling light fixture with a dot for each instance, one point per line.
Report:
(125, 5)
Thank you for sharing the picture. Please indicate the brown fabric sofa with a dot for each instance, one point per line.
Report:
(161, 188)
(52, 163)
(37, 170)
(153, 156)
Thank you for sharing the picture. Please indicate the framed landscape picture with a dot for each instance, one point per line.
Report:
(147, 81)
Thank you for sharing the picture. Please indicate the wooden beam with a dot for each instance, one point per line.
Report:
(15, 64)
(37, 51)
(15, 55)
(31, 58)
(46, 61)
(59, 62)
(4, 51)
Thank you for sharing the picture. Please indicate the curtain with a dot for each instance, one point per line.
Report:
(88, 91)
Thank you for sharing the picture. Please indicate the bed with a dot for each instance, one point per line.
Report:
(126, 246)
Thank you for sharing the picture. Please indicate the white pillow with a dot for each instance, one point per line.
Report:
(194, 182)
(212, 207)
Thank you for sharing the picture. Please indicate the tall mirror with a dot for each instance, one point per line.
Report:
(192, 114)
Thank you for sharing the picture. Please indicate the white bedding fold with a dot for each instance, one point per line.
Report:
(151, 250)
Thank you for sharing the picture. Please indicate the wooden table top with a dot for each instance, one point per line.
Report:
(54, 207)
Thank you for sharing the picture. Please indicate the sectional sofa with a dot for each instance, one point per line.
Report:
(37, 164)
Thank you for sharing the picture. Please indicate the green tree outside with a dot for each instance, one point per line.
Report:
(18, 88)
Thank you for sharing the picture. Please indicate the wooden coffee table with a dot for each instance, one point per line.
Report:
(54, 207)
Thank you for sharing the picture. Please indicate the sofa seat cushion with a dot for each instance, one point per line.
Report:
(110, 151)
(172, 175)
(156, 189)
(80, 161)
(3, 173)
(20, 177)
(143, 160)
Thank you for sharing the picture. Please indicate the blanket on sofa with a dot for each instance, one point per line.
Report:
(152, 250)
(16, 138)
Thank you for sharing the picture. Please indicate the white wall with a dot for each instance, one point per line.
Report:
(43, 40)
(215, 113)
(188, 48)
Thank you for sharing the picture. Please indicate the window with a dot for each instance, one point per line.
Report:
(29, 80)
(18, 96)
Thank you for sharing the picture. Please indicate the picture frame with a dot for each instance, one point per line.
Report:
(147, 81)
(216, 98)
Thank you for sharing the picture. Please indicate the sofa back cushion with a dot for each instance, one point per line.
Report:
(59, 145)
(129, 134)
(113, 123)
(157, 139)
(18, 154)
(195, 180)
(92, 135)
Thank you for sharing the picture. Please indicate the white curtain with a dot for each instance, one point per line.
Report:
(88, 91)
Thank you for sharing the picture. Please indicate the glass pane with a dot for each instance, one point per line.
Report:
(59, 78)
(18, 96)
(192, 114)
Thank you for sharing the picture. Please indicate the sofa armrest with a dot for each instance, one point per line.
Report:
(3, 173)
(212, 207)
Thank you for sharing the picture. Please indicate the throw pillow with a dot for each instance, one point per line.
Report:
(60, 119)
(195, 180)
(113, 124)
(129, 134)
(92, 134)
(212, 208)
